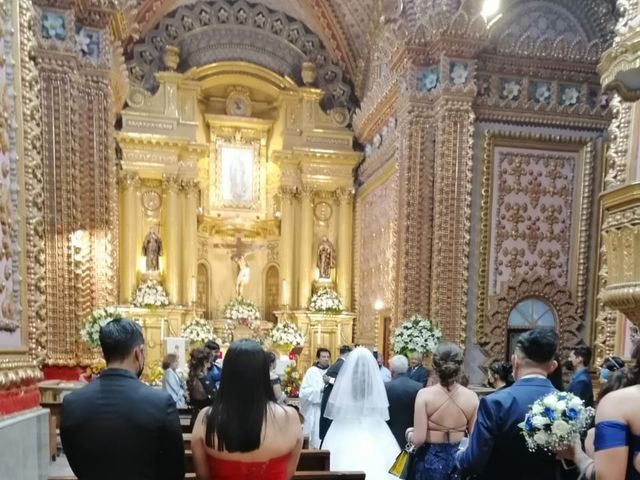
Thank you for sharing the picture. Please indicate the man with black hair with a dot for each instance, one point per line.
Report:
(497, 449)
(311, 396)
(118, 427)
(329, 379)
(580, 384)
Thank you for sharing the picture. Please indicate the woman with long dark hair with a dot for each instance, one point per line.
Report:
(443, 414)
(500, 375)
(199, 385)
(245, 434)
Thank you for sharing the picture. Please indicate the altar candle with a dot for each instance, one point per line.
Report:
(285, 292)
(193, 288)
(318, 335)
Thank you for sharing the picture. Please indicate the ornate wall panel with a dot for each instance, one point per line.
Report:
(535, 220)
(376, 217)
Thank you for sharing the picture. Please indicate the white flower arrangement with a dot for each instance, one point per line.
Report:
(555, 421)
(241, 311)
(90, 331)
(198, 331)
(416, 334)
(150, 294)
(286, 333)
(326, 300)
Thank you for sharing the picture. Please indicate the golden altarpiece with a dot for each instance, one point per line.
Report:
(242, 175)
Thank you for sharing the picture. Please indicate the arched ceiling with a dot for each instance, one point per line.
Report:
(342, 25)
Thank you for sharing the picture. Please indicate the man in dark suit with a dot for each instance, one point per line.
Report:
(497, 449)
(580, 385)
(417, 371)
(401, 393)
(117, 427)
(329, 379)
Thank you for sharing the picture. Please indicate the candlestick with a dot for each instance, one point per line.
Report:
(285, 293)
(318, 339)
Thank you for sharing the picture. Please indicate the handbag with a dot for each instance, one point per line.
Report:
(403, 465)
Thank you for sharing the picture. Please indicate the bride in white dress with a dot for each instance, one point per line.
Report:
(359, 438)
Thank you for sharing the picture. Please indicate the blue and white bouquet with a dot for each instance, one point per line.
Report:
(555, 422)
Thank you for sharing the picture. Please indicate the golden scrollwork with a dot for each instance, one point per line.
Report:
(621, 240)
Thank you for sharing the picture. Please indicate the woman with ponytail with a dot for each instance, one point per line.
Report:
(444, 413)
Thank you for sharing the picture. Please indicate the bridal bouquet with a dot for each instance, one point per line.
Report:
(326, 300)
(90, 331)
(198, 331)
(150, 294)
(415, 334)
(287, 334)
(555, 421)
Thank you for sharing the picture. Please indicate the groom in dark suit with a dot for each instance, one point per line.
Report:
(117, 427)
(329, 379)
(497, 449)
(417, 370)
(401, 393)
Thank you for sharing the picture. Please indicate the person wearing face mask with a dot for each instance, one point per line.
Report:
(118, 427)
(580, 384)
(610, 365)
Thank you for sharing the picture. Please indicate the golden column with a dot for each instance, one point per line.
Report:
(345, 235)
(286, 243)
(189, 240)
(306, 245)
(129, 249)
(172, 239)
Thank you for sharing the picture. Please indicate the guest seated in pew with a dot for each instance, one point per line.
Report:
(245, 434)
(118, 428)
(200, 387)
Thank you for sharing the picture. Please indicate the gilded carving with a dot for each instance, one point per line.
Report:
(616, 159)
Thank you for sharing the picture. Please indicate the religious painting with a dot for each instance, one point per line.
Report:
(237, 184)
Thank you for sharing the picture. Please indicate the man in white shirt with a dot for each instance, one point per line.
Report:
(311, 396)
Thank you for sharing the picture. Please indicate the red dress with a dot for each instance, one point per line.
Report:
(272, 469)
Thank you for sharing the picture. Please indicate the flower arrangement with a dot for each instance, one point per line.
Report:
(555, 421)
(416, 334)
(150, 294)
(198, 331)
(93, 371)
(90, 331)
(326, 300)
(153, 374)
(286, 334)
(291, 380)
(245, 312)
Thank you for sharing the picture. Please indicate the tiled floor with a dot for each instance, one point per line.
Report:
(60, 467)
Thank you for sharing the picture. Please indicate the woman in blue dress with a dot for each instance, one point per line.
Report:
(617, 438)
(444, 412)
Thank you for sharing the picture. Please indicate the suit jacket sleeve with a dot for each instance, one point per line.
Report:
(68, 439)
(333, 370)
(423, 375)
(173, 446)
(476, 455)
(580, 388)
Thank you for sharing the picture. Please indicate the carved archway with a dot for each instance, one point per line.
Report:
(271, 292)
(208, 32)
(494, 337)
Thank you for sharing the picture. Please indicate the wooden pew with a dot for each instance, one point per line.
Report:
(329, 476)
(310, 460)
(186, 441)
(314, 460)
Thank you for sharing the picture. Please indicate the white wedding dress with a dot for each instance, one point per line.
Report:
(359, 438)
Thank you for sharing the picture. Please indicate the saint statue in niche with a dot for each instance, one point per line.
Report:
(326, 258)
(152, 250)
(243, 273)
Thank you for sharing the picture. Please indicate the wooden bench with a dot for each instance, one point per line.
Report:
(314, 460)
(329, 476)
(186, 441)
(310, 460)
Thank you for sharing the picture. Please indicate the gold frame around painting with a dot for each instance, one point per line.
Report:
(584, 147)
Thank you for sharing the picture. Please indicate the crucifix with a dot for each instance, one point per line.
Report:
(239, 252)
